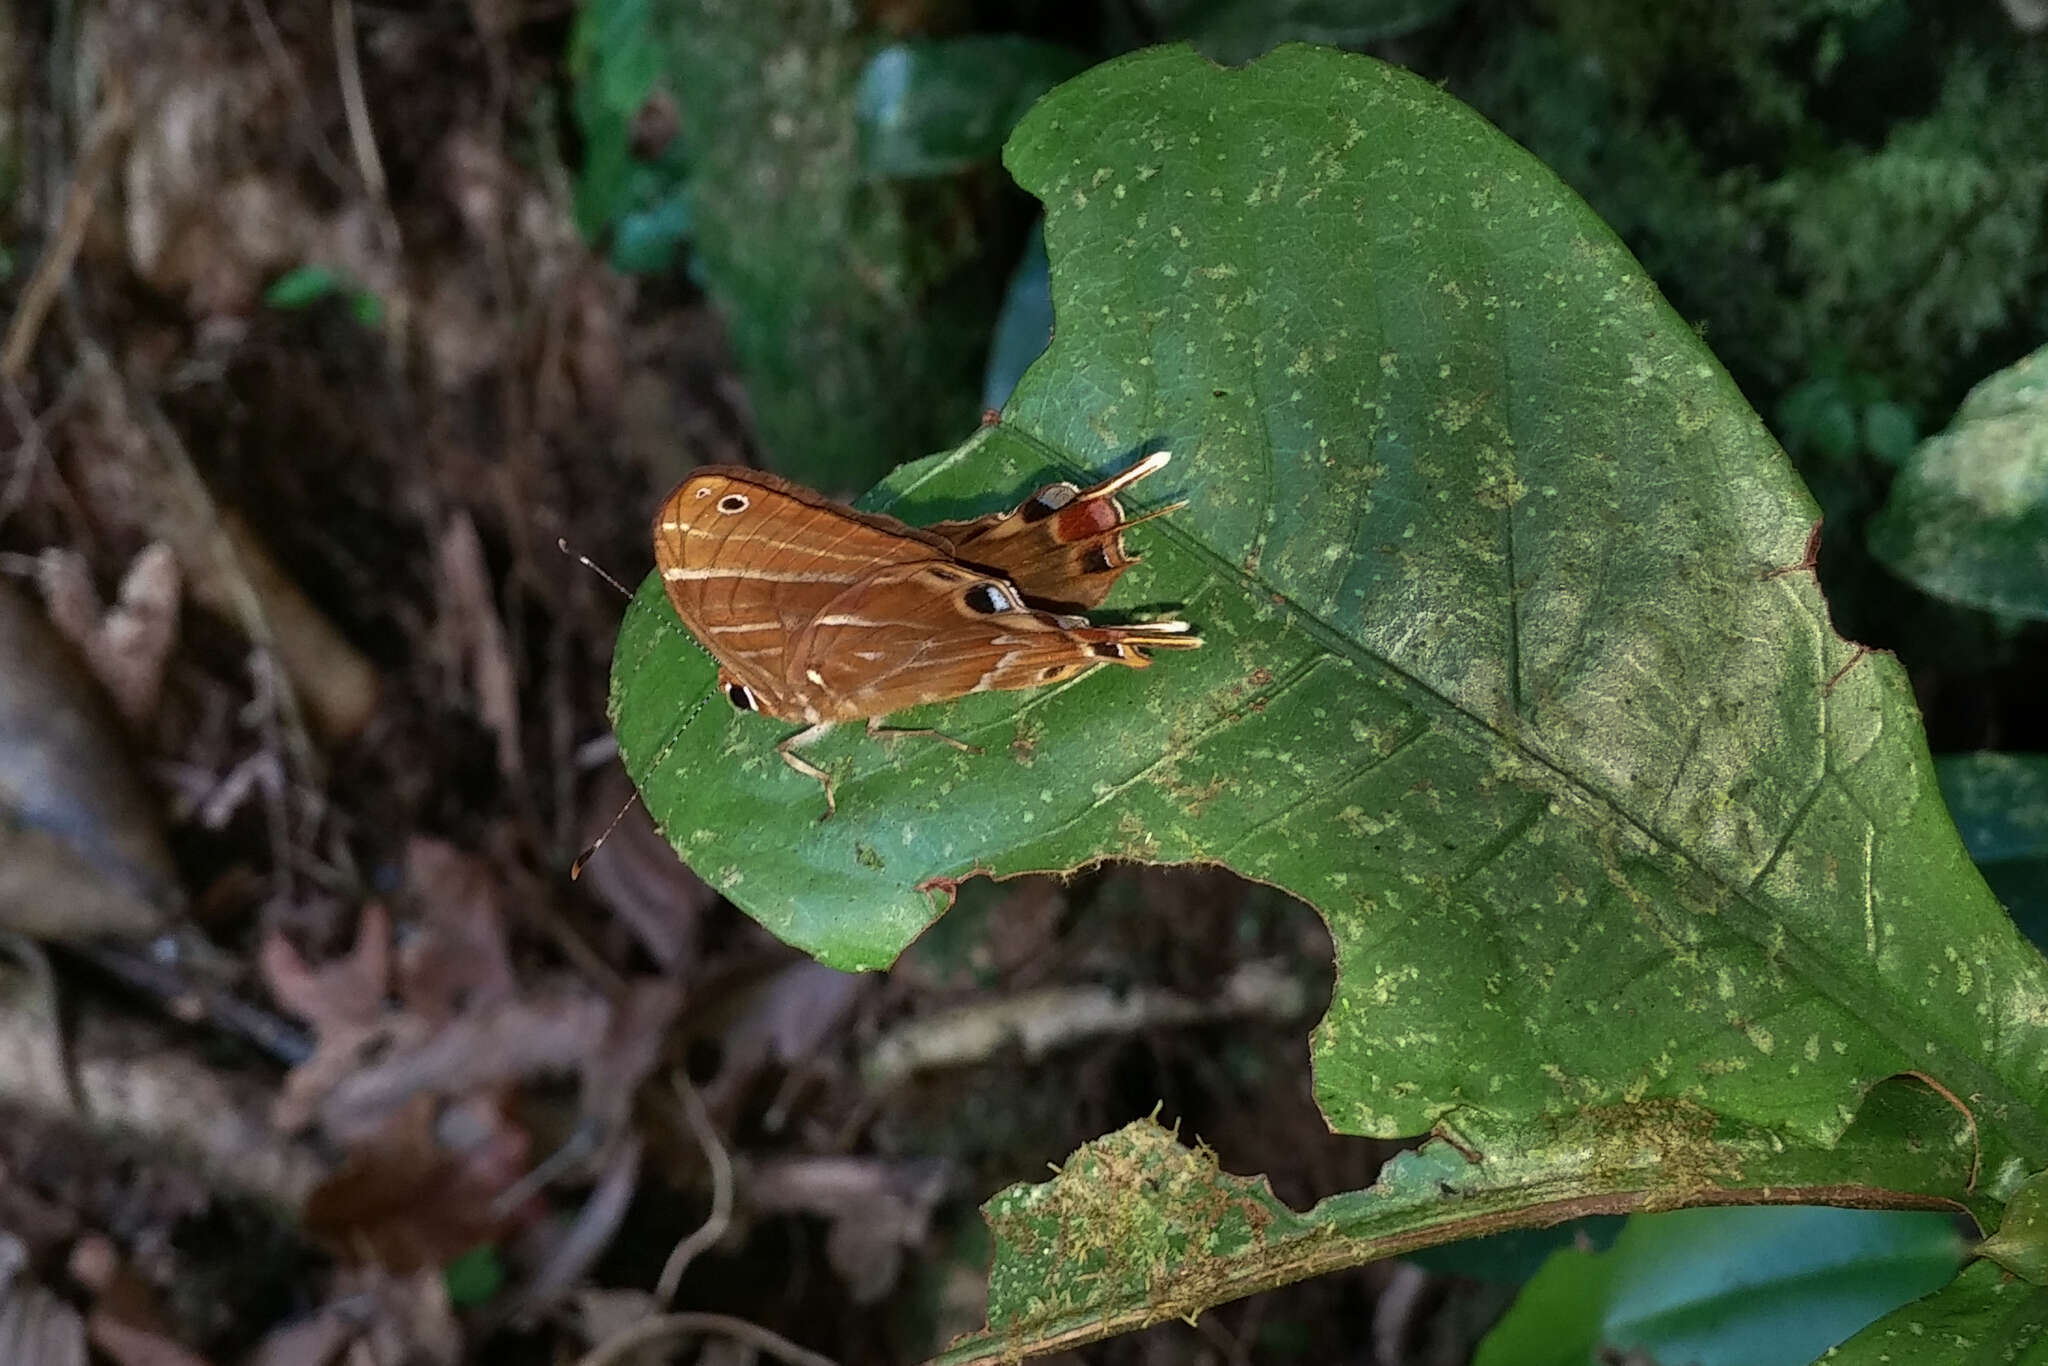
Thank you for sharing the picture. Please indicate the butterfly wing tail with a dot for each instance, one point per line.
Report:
(1127, 645)
(1063, 545)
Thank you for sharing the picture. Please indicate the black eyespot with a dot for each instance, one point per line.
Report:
(986, 597)
(1054, 672)
(1096, 561)
(1108, 650)
(733, 502)
(740, 695)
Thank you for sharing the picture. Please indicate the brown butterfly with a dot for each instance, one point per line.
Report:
(819, 614)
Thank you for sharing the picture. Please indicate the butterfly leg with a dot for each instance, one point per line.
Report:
(879, 731)
(788, 750)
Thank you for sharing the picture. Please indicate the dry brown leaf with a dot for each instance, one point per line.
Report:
(344, 1002)
(539, 1034)
(423, 1189)
(128, 645)
(783, 1017)
(127, 1324)
(346, 992)
(81, 851)
(408, 1318)
(460, 960)
(634, 1039)
(637, 875)
(416, 1090)
(877, 1207)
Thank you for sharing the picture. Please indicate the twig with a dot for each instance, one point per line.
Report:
(184, 999)
(663, 1326)
(714, 1226)
(362, 138)
(1039, 1022)
(102, 140)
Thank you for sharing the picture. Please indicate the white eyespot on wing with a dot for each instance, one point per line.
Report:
(733, 502)
(703, 493)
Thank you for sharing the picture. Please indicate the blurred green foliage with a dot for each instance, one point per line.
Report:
(2000, 804)
(1967, 520)
(1855, 178)
(933, 108)
(1726, 1287)
(858, 308)
(304, 286)
(1235, 31)
(474, 1277)
(630, 185)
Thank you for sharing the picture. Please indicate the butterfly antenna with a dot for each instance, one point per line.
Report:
(1143, 518)
(562, 544)
(582, 859)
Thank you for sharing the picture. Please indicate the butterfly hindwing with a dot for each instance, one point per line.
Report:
(918, 633)
(1062, 546)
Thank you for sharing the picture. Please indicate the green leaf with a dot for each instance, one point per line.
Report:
(649, 241)
(939, 106)
(634, 197)
(1136, 1228)
(1512, 1258)
(1512, 668)
(1637, 874)
(474, 1277)
(1820, 415)
(2000, 804)
(2021, 1243)
(1889, 432)
(1982, 1318)
(1967, 519)
(304, 286)
(1726, 1287)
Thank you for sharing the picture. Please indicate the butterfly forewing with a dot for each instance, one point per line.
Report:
(749, 560)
